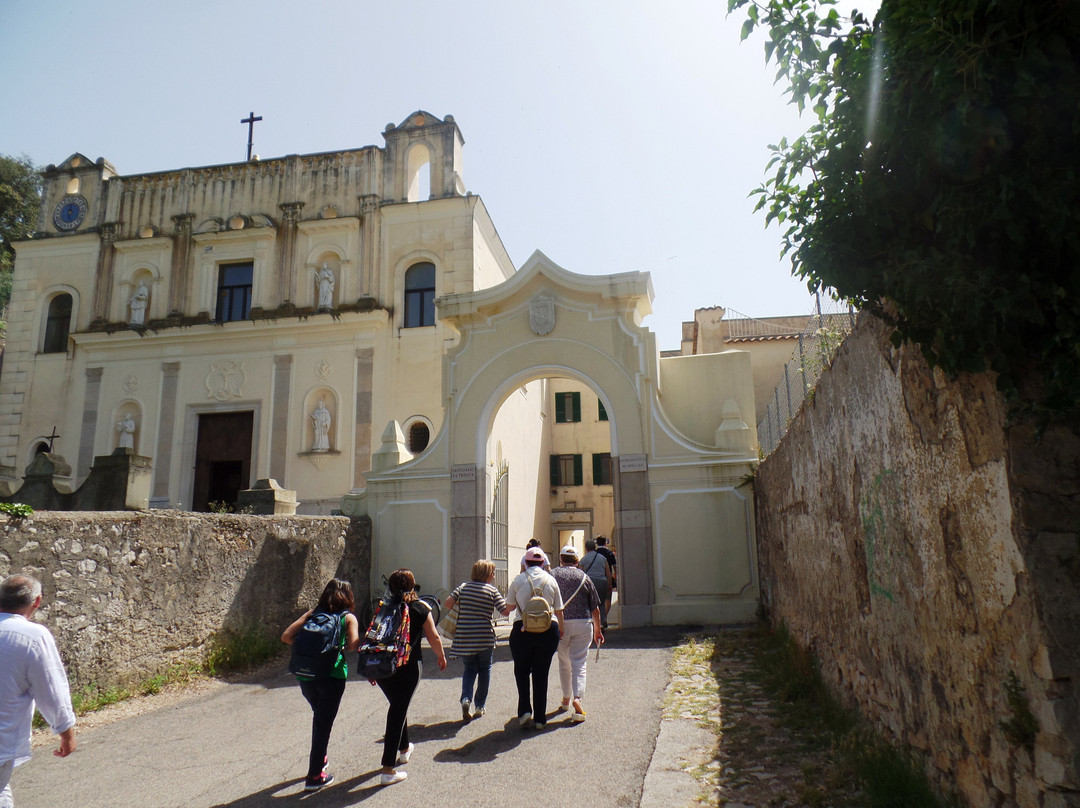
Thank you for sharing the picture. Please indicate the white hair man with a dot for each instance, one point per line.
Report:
(31, 674)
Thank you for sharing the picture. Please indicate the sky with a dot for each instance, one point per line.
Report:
(613, 136)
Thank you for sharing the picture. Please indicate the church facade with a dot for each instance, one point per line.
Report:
(244, 321)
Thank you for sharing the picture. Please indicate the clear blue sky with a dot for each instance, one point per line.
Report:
(614, 136)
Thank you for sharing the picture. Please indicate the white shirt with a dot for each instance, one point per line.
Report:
(30, 672)
(521, 589)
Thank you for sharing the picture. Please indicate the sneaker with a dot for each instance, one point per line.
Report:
(466, 710)
(404, 755)
(390, 779)
(579, 711)
(315, 783)
(564, 705)
(540, 725)
(479, 711)
(525, 721)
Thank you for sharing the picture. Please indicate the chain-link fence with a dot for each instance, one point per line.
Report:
(830, 322)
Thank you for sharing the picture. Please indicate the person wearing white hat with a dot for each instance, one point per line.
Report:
(581, 628)
(531, 647)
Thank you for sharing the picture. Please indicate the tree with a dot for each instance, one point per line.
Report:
(20, 199)
(938, 185)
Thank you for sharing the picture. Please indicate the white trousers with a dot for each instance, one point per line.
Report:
(5, 784)
(573, 651)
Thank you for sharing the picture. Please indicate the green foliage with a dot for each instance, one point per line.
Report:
(16, 509)
(91, 697)
(937, 185)
(239, 650)
(1021, 727)
(20, 200)
(219, 506)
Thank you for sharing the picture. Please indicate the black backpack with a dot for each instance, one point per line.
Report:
(317, 646)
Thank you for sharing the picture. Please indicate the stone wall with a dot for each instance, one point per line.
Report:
(128, 594)
(925, 547)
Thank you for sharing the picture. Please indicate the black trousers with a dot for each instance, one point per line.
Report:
(532, 655)
(324, 696)
(398, 690)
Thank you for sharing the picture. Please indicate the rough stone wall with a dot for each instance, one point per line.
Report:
(925, 548)
(129, 594)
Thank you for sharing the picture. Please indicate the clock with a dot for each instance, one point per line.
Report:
(69, 213)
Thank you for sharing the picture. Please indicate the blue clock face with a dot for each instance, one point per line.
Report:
(69, 213)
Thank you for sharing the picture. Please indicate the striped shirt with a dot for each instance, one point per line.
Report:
(475, 630)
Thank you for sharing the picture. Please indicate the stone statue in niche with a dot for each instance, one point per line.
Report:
(324, 279)
(126, 428)
(320, 419)
(138, 304)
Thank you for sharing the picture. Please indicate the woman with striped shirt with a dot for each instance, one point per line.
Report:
(474, 639)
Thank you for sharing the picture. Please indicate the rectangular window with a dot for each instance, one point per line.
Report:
(234, 292)
(601, 469)
(601, 413)
(567, 408)
(566, 469)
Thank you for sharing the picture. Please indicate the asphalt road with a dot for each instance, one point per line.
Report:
(245, 745)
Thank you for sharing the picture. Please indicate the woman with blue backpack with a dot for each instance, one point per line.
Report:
(319, 639)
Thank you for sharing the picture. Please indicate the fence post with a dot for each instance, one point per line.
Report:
(787, 384)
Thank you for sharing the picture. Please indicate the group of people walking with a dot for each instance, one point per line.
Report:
(560, 610)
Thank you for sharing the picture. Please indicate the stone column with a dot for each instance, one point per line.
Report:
(369, 240)
(633, 526)
(89, 421)
(103, 283)
(365, 365)
(279, 431)
(468, 519)
(170, 377)
(181, 256)
(286, 258)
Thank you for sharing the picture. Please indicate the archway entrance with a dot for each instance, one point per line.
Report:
(678, 455)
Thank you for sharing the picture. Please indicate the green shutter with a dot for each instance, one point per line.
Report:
(577, 467)
(601, 412)
(577, 409)
(554, 470)
(560, 408)
(597, 469)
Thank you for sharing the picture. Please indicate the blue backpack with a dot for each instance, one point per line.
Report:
(317, 647)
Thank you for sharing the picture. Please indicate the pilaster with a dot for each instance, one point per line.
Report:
(181, 257)
(103, 284)
(279, 433)
(286, 258)
(89, 422)
(170, 377)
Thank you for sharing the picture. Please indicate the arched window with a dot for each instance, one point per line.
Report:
(57, 325)
(420, 295)
(419, 435)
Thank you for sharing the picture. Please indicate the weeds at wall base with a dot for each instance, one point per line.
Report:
(890, 778)
(229, 652)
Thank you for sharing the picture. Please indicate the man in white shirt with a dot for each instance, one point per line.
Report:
(532, 651)
(31, 673)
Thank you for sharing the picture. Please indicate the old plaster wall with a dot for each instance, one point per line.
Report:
(925, 548)
(129, 594)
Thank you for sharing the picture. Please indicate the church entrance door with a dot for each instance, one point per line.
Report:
(222, 458)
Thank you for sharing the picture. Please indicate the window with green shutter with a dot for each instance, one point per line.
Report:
(601, 413)
(566, 470)
(567, 408)
(601, 468)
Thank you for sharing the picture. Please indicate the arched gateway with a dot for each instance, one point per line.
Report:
(681, 447)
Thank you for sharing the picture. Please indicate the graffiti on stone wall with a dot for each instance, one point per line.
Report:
(873, 510)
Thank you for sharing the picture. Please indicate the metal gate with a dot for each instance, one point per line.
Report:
(500, 532)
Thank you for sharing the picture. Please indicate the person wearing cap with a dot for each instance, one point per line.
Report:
(536, 543)
(532, 652)
(581, 628)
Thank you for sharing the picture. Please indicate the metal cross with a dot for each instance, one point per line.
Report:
(250, 121)
(51, 438)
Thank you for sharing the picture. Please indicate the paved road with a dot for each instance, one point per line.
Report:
(245, 745)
